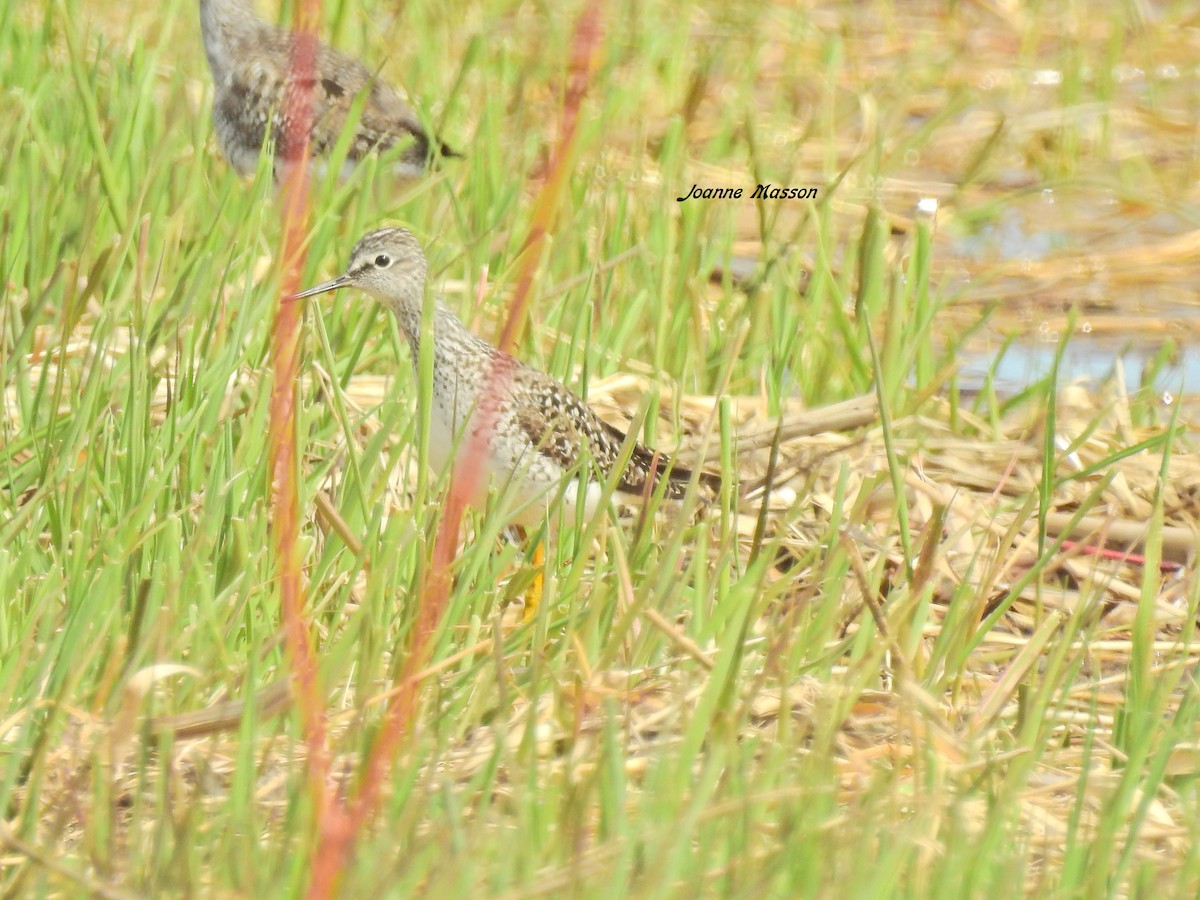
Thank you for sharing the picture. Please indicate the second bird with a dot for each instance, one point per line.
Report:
(252, 68)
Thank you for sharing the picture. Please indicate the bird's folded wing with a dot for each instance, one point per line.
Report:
(562, 427)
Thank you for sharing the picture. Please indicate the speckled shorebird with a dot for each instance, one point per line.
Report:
(251, 62)
(537, 433)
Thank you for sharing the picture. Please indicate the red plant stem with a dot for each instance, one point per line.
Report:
(584, 47)
(293, 151)
(1133, 559)
(468, 479)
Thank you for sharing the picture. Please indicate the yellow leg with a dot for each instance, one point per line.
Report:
(533, 596)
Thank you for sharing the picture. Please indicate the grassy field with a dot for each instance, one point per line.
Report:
(950, 652)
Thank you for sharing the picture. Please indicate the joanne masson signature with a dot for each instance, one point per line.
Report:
(761, 192)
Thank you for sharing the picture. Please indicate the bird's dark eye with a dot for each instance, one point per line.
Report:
(382, 261)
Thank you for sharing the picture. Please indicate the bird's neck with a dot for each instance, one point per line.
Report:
(449, 333)
(225, 25)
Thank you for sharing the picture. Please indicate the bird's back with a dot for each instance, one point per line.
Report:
(253, 70)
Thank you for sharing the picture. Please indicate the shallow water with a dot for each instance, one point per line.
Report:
(1088, 359)
(1136, 318)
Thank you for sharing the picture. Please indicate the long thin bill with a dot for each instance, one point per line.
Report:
(324, 287)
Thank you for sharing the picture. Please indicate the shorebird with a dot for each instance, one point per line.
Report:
(252, 69)
(540, 440)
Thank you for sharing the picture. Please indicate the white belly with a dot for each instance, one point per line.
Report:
(530, 484)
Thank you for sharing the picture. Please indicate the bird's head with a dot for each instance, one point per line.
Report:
(388, 264)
